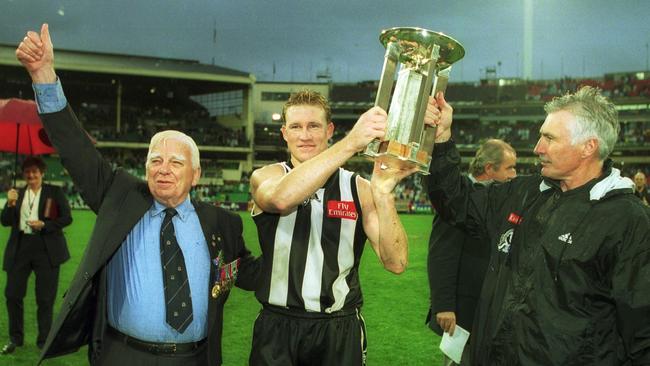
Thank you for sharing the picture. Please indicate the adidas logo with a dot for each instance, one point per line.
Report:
(566, 238)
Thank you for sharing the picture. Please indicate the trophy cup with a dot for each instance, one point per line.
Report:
(424, 59)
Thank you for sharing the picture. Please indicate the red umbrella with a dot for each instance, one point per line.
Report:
(21, 129)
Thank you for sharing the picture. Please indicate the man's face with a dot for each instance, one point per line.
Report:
(639, 180)
(306, 132)
(507, 170)
(33, 176)
(170, 175)
(559, 159)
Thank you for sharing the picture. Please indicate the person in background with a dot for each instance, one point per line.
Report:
(37, 215)
(640, 187)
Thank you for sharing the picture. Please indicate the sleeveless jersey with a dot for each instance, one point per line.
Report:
(311, 256)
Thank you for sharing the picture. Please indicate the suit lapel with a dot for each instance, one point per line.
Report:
(41, 202)
(135, 205)
(210, 226)
(19, 203)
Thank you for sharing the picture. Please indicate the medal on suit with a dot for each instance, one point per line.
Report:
(216, 290)
(226, 275)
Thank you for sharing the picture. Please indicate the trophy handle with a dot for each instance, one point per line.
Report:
(429, 132)
(423, 99)
(387, 77)
(385, 88)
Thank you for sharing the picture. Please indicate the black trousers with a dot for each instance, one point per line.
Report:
(116, 352)
(31, 256)
(283, 338)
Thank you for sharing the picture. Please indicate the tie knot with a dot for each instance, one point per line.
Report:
(170, 211)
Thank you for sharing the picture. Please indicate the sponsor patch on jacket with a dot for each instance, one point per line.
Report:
(514, 219)
(342, 210)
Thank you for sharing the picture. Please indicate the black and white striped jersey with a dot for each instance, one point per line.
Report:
(311, 256)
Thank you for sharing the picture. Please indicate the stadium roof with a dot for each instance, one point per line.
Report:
(136, 65)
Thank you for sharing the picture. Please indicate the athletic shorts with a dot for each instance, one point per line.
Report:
(284, 337)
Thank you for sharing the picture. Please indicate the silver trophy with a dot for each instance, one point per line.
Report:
(424, 58)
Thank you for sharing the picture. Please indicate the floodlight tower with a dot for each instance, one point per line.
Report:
(528, 39)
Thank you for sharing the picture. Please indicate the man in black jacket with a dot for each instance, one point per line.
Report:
(457, 262)
(37, 215)
(119, 301)
(640, 188)
(568, 281)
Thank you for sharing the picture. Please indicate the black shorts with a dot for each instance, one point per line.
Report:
(286, 338)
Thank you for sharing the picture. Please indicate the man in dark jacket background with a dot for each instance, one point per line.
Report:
(569, 276)
(640, 187)
(457, 262)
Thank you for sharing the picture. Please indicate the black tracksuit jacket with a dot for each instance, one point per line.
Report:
(568, 281)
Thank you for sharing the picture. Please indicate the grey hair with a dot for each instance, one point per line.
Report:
(595, 117)
(492, 152)
(180, 137)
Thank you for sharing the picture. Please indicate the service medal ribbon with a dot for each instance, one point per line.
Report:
(226, 275)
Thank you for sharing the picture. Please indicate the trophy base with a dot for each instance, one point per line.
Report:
(395, 154)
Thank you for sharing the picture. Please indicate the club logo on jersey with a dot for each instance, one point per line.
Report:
(342, 210)
(505, 241)
(566, 238)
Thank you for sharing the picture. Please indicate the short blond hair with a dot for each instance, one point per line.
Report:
(307, 97)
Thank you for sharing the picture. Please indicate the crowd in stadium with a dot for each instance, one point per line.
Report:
(140, 122)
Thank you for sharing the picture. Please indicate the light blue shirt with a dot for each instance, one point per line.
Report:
(135, 298)
(49, 97)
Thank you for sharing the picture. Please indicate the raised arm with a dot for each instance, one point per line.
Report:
(380, 219)
(444, 178)
(276, 192)
(90, 173)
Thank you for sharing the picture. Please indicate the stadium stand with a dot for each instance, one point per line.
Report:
(122, 100)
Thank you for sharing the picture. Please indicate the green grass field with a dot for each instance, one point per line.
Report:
(394, 309)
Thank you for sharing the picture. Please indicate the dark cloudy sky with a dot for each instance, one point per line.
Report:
(570, 37)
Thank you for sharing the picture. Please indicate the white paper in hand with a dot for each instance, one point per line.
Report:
(453, 346)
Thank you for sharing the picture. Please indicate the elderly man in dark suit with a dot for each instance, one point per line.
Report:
(156, 273)
(37, 214)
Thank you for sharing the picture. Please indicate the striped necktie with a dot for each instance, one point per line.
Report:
(178, 299)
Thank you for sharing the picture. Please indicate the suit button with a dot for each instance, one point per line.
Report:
(86, 276)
